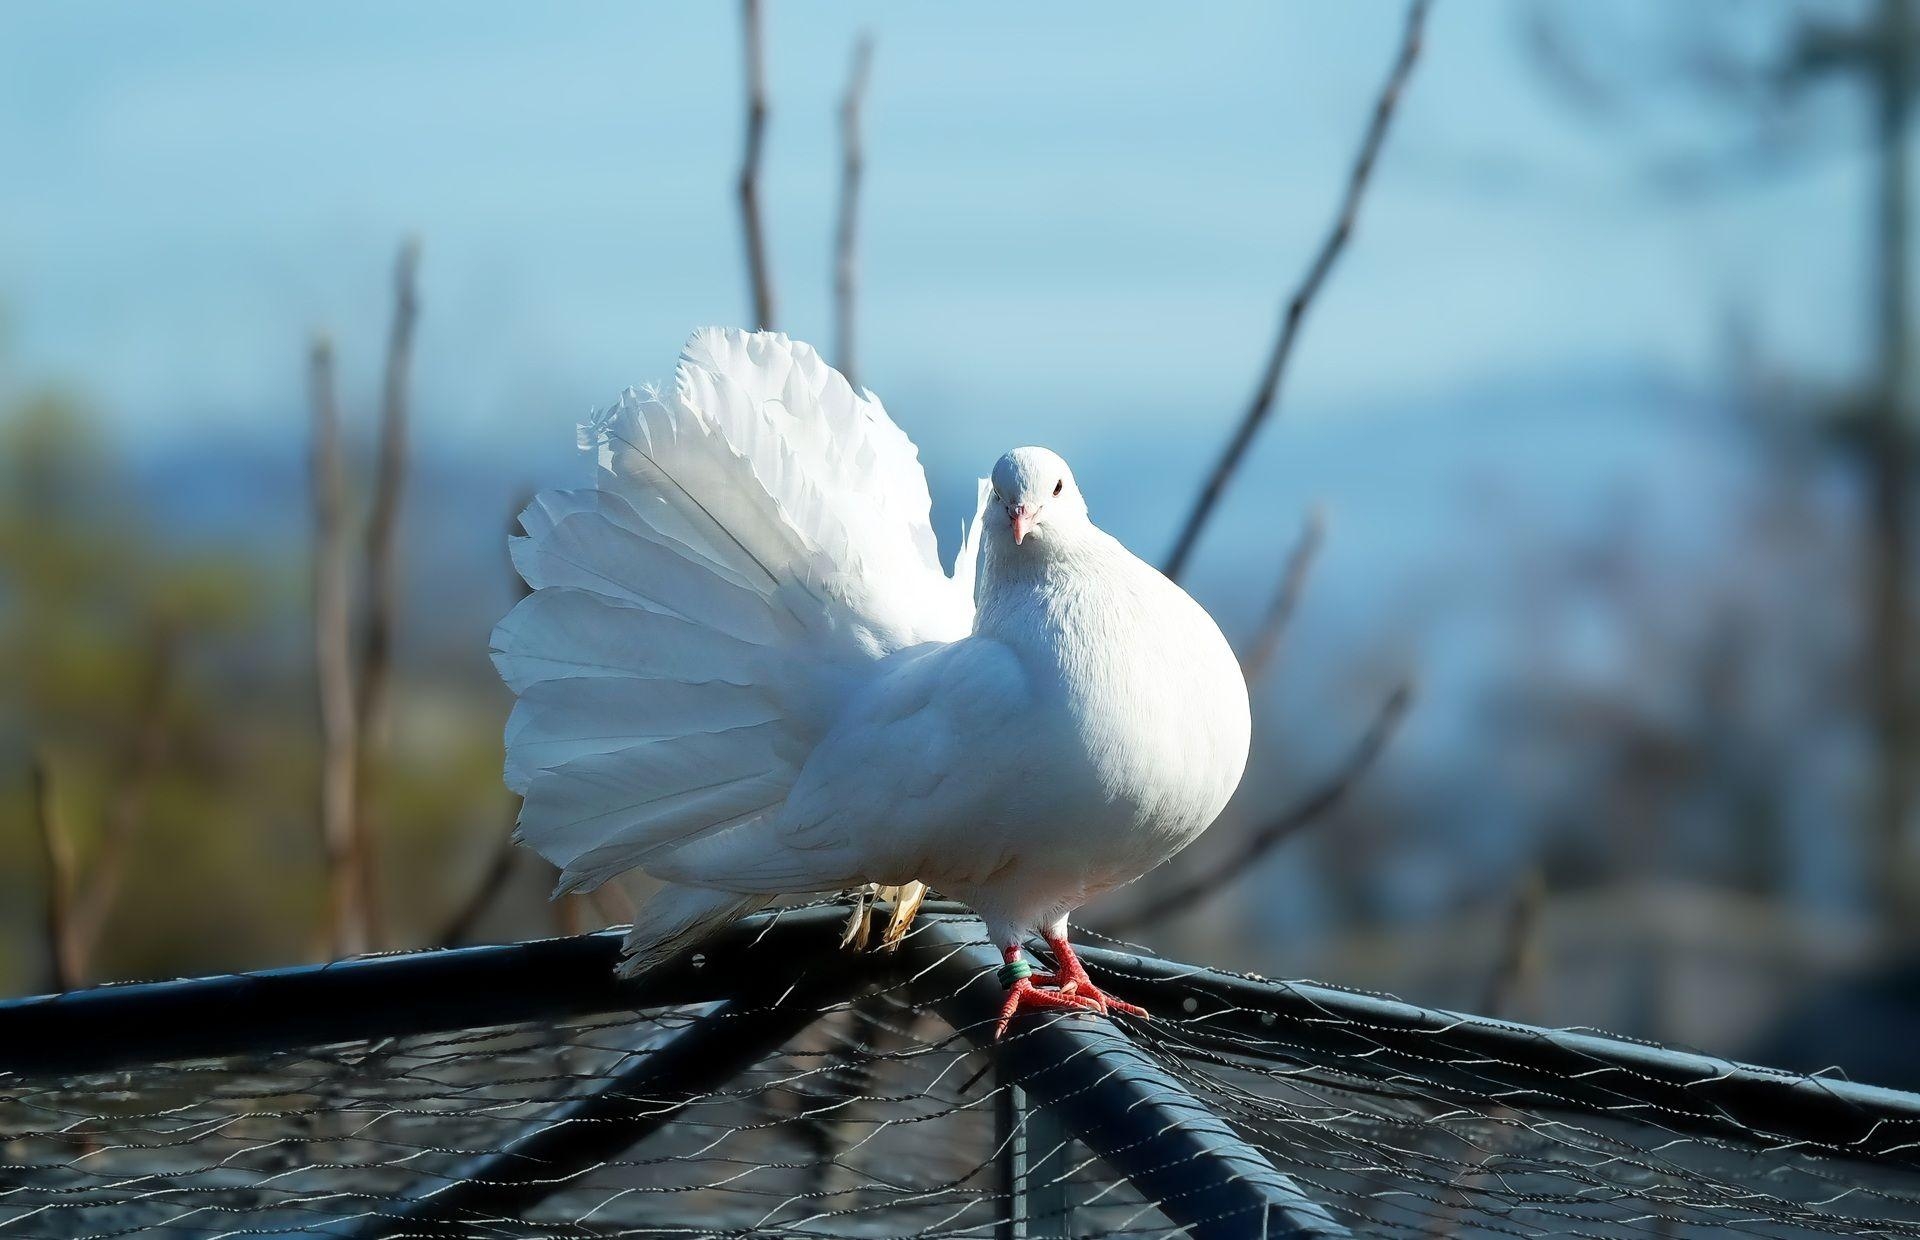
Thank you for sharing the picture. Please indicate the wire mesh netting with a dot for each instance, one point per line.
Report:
(875, 1116)
(873, 1122)
(1392, 1152)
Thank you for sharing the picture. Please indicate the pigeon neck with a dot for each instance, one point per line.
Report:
(1011, 576)
(1043, 550)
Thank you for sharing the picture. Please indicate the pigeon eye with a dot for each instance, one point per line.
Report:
(1059, 486)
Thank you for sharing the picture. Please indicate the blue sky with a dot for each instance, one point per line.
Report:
(1080, 217)
(1079, 225)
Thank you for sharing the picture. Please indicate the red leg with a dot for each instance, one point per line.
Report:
(1023, 995)
(1076, 982)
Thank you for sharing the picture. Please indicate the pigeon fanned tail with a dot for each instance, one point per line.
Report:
(756, 537)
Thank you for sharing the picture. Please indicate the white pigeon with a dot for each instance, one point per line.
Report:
(743, 671)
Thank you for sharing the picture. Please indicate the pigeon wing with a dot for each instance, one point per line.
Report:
(922, 777)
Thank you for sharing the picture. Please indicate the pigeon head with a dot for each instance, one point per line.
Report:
(1034, 496)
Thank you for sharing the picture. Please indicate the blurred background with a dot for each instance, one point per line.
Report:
(1574, 569)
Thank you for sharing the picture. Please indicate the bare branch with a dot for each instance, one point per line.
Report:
(66, 964)
(492, 882)
(382, 594)
(570, 915)
(1323, 800)
(1558, 54)
(98, 889)
(1519, 960)
(613, 903)
(333, 674)
(758, 276)
(1323, 262)
(569, 911)
(846, 271)
(1286, 599)
(494, 879)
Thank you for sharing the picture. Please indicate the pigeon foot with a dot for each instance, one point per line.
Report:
(1071, 978)
(1024, 996)
(1068, 989)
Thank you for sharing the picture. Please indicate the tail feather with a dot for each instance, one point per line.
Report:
(549, 508)
(676, 918)
(756, 539)
(559, 632)
(586, 551)
(556, 721)
(646, 798)
(686, 481)
(840, 438)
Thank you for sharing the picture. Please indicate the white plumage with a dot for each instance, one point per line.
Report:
(744, 671)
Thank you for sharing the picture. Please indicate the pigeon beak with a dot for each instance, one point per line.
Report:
(1022, 518)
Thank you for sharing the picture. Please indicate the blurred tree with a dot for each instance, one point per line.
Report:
(157, 679)
(1762, 67)
(88, 611)
(1879, 51)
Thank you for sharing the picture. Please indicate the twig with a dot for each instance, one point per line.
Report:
(65, 967)
(1286, 599)
(846, 271)
(98, 889)
(758, 276)
(613, 903)
(382, 600)
(1318, 803)
(1519, 959)
(494, 879)
(346, 929)
(1329, 253)
(492, 882)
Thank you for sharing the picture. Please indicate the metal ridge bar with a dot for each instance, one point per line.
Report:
(1518, 1065)
(437, 991)
(1119, 1102)
(403, 994)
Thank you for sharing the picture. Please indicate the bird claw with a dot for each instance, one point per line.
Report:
(1024, 996)
(1072, 978)
(1082, 988)
(1109, 1004)
(1066, 989)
